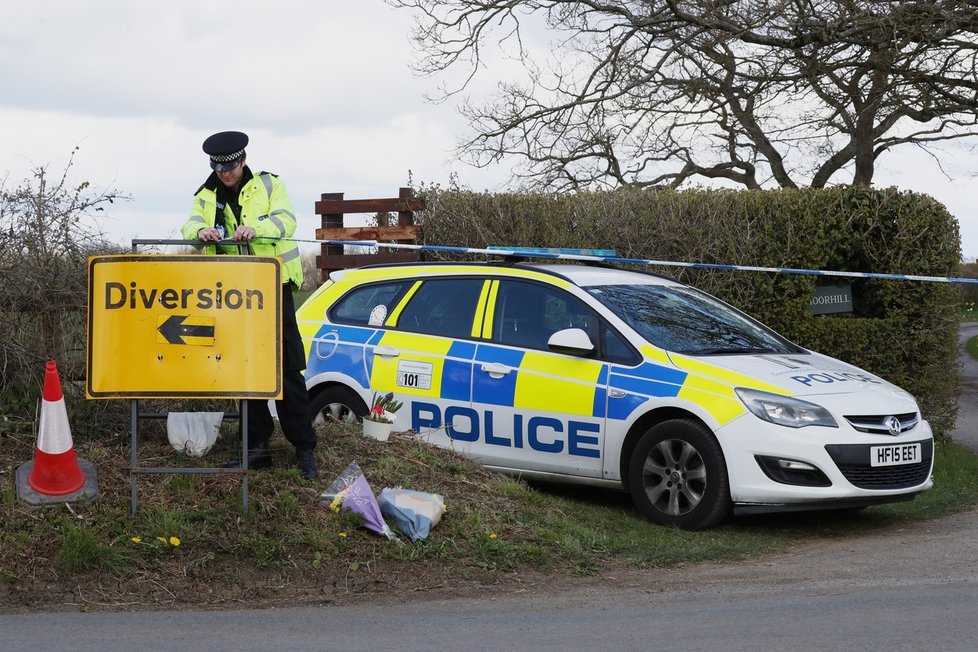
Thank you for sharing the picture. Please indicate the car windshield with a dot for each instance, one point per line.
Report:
(685, 320)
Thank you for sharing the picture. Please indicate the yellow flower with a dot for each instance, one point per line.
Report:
(343, 534)
(337, 502)
(163, 539)
(492, 536)
(174, 541)
(136, 539)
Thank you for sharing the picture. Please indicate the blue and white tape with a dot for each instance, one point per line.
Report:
(536, 252)
(519, 252)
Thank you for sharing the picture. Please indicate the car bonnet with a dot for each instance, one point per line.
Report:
(818, 377)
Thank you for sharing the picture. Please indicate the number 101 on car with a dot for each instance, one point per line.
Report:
(894, 454)
(413, 374)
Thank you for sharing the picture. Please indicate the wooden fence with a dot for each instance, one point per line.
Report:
(332, 208)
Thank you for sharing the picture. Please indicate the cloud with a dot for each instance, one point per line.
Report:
(160, 162)
(324, 90)
(290, 65)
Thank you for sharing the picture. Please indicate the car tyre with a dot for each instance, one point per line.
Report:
(677, 476)
(337, 404)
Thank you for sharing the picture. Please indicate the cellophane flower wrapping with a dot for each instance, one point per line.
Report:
(350, 492)
(413, 512)
(340, 485)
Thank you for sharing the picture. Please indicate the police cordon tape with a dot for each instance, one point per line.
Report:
(541, 252)
(533, 252)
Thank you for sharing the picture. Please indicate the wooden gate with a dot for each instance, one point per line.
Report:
(332, 207)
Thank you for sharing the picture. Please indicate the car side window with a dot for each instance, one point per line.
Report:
(377, 299)
(527, 314)
(615, 348)
(443, 307)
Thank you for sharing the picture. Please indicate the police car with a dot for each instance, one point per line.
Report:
(600, 376)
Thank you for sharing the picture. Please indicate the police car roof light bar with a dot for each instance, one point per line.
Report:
(548, 251)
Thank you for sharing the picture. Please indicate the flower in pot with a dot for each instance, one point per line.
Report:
(379, 420)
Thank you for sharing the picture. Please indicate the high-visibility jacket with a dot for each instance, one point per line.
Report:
(265, 207)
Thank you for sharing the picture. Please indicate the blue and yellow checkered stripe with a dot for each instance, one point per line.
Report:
(582, 385)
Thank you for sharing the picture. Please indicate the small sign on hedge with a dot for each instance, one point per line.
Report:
(830, 299)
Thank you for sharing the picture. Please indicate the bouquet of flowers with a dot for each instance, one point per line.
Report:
(382, 407)
(350, 492)
(414, 512)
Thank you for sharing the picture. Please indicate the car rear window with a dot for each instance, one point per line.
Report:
(356, 307)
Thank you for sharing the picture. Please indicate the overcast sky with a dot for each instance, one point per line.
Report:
(323, 88)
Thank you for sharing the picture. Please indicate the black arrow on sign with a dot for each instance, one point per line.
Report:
(174, 330)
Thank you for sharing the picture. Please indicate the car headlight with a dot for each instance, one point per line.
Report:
(784, 410)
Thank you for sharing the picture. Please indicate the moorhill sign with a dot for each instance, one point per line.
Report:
(829, 299)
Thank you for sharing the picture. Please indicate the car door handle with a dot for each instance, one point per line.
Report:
(386, 351)
(616, 393)
(495, 369)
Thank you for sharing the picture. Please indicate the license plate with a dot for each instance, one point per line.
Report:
(894, 454)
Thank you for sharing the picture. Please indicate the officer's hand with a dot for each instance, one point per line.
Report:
(209, 233)
(244, 233)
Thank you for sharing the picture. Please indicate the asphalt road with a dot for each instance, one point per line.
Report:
(915, 588)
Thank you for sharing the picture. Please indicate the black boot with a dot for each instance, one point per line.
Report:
(305, 461)
(258, 458)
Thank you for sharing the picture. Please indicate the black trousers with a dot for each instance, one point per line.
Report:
(293, 408)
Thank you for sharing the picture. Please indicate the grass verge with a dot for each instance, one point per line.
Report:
(971, 347)
(189, 544)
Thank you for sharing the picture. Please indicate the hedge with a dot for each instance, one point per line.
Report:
(904, 331)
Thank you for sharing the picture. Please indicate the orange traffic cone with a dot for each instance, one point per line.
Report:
(56, 471)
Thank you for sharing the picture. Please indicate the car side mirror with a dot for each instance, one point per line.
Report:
(571, 341)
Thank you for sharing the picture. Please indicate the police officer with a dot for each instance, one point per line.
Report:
(234, 203)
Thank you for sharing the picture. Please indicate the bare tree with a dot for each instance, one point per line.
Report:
(47, 233)
(757, 92)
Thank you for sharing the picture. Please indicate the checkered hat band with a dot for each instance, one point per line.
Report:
(225, 158)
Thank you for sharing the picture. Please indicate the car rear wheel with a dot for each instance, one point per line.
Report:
(337, 404)
(677, 476)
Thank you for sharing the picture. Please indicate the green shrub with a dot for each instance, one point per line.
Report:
(905, 331)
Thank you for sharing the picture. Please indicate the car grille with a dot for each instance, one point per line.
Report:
(875, 423)
(853, 461)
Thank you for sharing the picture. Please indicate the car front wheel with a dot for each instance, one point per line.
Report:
(677, 476)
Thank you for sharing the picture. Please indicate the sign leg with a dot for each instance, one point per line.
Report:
(244, 456)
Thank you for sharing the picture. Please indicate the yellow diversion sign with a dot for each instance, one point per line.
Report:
(184, 326)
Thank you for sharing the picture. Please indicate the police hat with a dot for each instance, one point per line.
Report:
(226, 149)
